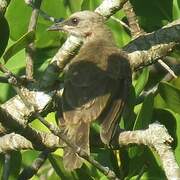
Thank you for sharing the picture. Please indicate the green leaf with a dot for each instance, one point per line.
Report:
(85, 5)
(162, 11)
(1, 163)
(19, 45)
(46, 38)
(177, 150)
(116, 30)
(145, 167)
(145, 114)
(178, 1)
(171, 96)
(15, 164)
(176, 6)
(18, 15)
(4, 34)
(73, 5)
(141, 82)
(57, 164)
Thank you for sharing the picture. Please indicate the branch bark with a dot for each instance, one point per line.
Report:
(157, 138)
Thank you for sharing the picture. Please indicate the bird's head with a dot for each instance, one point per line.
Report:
(80, 24)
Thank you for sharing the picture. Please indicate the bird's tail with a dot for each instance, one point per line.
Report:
(111, 118)
(78, 134)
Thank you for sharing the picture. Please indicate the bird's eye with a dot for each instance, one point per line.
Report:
(74, 21)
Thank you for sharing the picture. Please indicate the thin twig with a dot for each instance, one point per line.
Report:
(165, 66)
(30, 171)
(30, 50)
(10, 76)
(133, 20)
(121, 22)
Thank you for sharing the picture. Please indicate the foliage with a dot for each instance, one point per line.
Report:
(163, 107)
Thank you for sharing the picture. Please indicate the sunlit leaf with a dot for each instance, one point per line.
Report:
(85, 5)
(145, 114)
(18, 15)
(73, 5)
(171, 96)
(141, 82)
(57, 164)
(176, 7)
(178, 1)
(19, 45)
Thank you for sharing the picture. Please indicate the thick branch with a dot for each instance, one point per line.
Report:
(14, 141)
(156, 137)
(147, 49)
(39, 140)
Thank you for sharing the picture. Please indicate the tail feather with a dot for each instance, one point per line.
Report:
(111, 117)
(108, 127)
(78, 134)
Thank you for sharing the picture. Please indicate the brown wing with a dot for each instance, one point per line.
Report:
(86, 93)
(118, 69)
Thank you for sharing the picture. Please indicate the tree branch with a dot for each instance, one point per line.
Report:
(133, 20)
(156, 137)
(30, 50)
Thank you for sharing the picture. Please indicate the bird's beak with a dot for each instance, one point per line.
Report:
(56, 27)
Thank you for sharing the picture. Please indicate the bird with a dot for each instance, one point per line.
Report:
(96, 83)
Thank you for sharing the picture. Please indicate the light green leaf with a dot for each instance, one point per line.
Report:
(145, 114)
(176, 6)
(171, 95)
(18, 15)
(56, 162)
(19, 45)
(141, 82)
(73, 5)
(178, 1)
(85, 5)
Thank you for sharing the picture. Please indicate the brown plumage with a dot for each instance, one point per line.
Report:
(96, 83)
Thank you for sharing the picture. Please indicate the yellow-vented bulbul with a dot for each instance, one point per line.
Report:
(96, 83)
